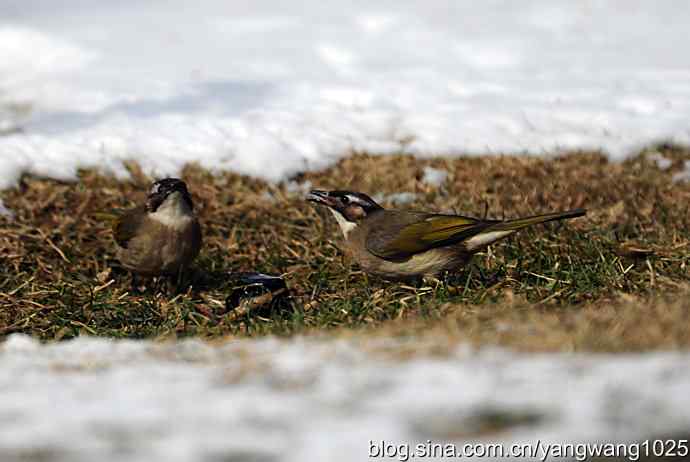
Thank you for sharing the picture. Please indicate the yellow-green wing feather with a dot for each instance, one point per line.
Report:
(399, 235)
(419, 232)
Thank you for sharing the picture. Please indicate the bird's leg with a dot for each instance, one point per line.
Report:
(490, 279)
(169, 284)
(469, 279)
(133, 282)
(482, 277)
(180, 280)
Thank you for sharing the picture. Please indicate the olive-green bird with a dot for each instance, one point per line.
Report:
(161, 237)
(397, 244)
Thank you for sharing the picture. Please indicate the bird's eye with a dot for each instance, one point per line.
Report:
(345, 200)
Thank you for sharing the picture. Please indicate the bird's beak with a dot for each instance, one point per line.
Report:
(321, 197)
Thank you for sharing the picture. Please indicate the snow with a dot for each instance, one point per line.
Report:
(683, 175)
(271, 89)
(660, 161)
(396, 199)
(4, 211)
(308, 399)
(434, 176)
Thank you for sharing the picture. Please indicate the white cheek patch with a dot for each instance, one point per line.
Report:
(173, 212)
(345, 226)
(483, 239)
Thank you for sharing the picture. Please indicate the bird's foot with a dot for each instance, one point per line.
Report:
(179, 283)
(138, 286)
(432, 281)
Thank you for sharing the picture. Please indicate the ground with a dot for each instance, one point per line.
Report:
(614, 280)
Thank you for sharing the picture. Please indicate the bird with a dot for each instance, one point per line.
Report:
(409, 245)
(162, 236)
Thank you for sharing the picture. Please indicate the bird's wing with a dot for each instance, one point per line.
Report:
(403, 234)
(127, 225)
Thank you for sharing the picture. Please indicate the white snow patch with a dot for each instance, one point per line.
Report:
(661, 162)
(434, 176)
(396, 199)
(297, 188)
(271, 90)
(683, 175)
(307, 399)
(4, 211)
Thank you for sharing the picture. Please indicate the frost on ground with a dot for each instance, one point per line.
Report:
(683, 175)
(271, 89)
(308, 399)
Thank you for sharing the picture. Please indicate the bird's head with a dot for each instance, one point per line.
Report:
(168, 193)
(348, 207)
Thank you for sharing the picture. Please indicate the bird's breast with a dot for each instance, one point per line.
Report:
(159, 248)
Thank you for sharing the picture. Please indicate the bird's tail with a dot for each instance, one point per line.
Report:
(502, 229)
(519, 223)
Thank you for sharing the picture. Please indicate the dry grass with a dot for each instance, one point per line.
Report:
(624, 323)
(610, 281)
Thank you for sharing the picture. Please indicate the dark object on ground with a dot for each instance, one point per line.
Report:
(258, 293)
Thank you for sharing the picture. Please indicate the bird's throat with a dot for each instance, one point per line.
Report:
(345, 226)
(174, 212)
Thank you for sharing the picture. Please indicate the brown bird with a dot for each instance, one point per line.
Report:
(396, 244)
(161, 237)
